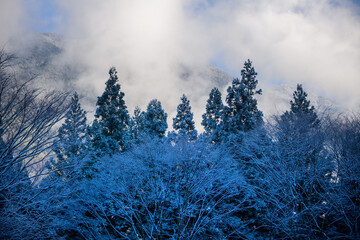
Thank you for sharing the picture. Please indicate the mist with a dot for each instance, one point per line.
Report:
(154, 43)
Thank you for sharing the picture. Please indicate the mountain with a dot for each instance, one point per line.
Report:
(41, 55)
(276, 100)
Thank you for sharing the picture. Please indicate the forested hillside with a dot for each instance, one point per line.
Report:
(295, 175)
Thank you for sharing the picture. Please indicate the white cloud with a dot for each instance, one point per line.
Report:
(312, 42)
(316, 43)
(149, 42)
(11, 20)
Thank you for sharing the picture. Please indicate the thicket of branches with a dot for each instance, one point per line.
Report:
(27, 120)
(123, 177)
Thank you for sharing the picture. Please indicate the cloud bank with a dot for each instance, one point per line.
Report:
(153, 43)
(312, 42)
(11, 20)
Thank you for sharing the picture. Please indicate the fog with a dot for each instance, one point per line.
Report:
(153, 43)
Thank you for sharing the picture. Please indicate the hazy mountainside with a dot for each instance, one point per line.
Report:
(40, 55)
(276, 99)
(213, 74)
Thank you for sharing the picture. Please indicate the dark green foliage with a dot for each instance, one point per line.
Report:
(302, 166)
(183, 123)
(137, 124)
(301, 124)
(298, 125)
(241, 113)
(99, 143)
(212, 117)
(72, 134)
(155, 124)
(112, 118)
(301, 109)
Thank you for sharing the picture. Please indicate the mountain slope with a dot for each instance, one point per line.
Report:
(40, 55)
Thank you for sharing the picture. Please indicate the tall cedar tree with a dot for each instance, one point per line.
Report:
(155, 119)
(137, 124)
(212, 117)
(112, 116)
(242, 113)
(72, 133)
(301, 123)
(300, 142)
(301, 108)
(183, 123)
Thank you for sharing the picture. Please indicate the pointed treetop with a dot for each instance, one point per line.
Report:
(301, 107)
(300, 104)
(75, 107)
(248, 75)
(155, 123)
(72, 133)
(183, 123)
(138, 117)
(214, 107)
(137, 124)
(242, 113)
(111, 113)
(113, 73)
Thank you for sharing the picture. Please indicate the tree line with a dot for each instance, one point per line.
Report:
(125, 177)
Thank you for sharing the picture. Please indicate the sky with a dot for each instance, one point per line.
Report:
(316, 43)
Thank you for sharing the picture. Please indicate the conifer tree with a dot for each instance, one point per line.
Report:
(301, 108)
(111, 117)
(301, 122)
(137, 124)
(213, 116)
(214, 107)
(300, 142)
(72, 133)
(242, 113)
(183, 123)
(155, 119)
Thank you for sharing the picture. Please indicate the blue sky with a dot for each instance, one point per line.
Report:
(44, 14)
(48, 10)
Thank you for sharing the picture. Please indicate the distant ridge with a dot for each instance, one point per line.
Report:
(40, 54)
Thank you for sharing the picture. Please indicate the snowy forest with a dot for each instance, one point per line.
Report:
(295, 175)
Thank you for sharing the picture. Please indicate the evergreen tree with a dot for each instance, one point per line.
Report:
(301, 123)
(300, 141)
(155, 119)
(301, 108)
(212, 117)
(72, 133)
(137, 124)
(112, 116)
(183, 123)
(214, 107)
(242, 113)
